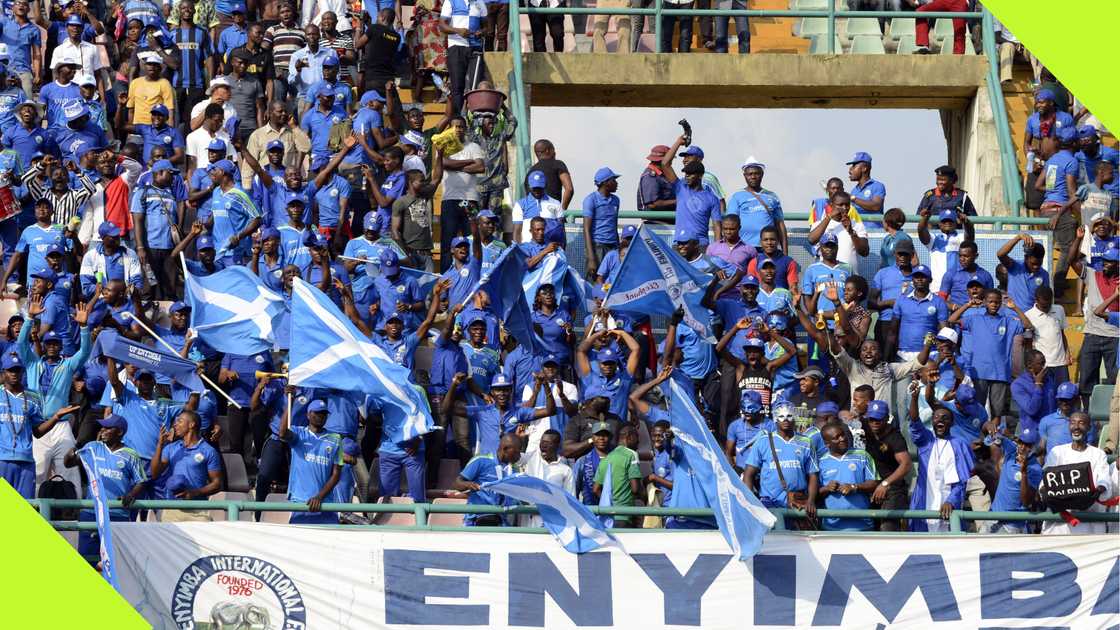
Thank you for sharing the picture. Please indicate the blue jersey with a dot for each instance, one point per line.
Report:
(967, 420)
(1060, 166)
(819, 275)
(153, 137)
(145, 417)
(602, 212)
(1021, 284)
(26, 142)
(34, 243)
(854, 467)
(1007, 497)
(293, 248)
(796, 459)
(193, 462)
(992, 338)
(160, 210)
(954, 286)
(401, 351)
(696, 210)
(484, 469)
(916, 317)
(57, 97)
(314, 456)
(317, 124)
(756, 211)
(617, 389)
(117, 472)
(233, 211)
(463, 278)
(18, 416)
(892, 283)
(365, 121)
(484, 363)
(329, 201)
(361, 280)
(744, 434)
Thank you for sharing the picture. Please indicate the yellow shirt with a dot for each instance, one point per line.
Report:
(143, 95)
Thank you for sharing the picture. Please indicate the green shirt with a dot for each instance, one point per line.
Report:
(623, 463)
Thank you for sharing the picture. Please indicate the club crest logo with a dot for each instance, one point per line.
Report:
(236, 592)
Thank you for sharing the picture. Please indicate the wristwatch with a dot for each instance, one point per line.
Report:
(590, 440)
(884, 483)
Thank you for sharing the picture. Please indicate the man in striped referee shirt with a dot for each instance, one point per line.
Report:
(65, 200)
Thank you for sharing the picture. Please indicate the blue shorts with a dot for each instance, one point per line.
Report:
(21, 476)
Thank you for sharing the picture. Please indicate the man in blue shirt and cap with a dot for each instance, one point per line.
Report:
(120, 472)
(697, 206)
(318, 119)
(869, 196)
(918, 314)
(1019, 473)
(316, 463)
(1058, 183)
(156, 216)
(160, 133)
(757, 207)
(193, 467)
(1053, 428)
(1043, 123)
(600, 218)
(536, 204)
(1023, 278)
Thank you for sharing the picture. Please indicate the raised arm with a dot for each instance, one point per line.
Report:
(667, 161)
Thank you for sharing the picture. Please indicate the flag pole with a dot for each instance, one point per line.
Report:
(205, 378)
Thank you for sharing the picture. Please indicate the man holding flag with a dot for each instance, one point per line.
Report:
(234, 216)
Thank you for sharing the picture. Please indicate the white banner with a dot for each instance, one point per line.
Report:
(248, 575)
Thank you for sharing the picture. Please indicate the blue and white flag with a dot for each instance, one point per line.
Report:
(606, 497)
(741, 517)
(551, 270)
(90, 455)
(233, 311)
(503, 283)
(654, 279)
(332, 353)
(581, 291)
(426, 281)
(573, 525)
(157, 359)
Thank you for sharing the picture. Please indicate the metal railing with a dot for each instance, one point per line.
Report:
(421, 512)
(997, 222)
(1012, 190)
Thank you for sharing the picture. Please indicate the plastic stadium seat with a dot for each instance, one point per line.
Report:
(868, 45)
(276, 517)
(942, 29)
(812, 26)
(809, 5)
(863, 26)
(947, 46)
(453, 520)
(901, 27)
(237, 479)
(906, 45)
(389, 518)
(1099, 401)
(819, 45)
(220, 515)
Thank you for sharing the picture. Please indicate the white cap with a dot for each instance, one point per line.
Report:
(752, 161)
(215, 82)
(1100, 216)
(948, 334)
(67, 57)
(150, 56)
(85, 79)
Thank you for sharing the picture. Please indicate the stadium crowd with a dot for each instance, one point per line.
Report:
(274, 138)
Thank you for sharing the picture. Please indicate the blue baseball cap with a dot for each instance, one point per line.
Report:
(877, 410)
(12, 362)
(749, 281)
(372, 221)
(860, 157)
(550, 358)
(225, 166)
(331, 59)
(1088, 131)
(750, 402)
(45, 274)
(487, 214)
(75, 20)
(370, 96)
(753, 343)
(500, 380)
(317, 406)
(164, 165)
(1028, 436)
(159, 108)
(351, 448)
(178, 306)
(75, 112)
(217, 144)
(204, 241)
(317, 240)
(1067, 391)
(51, 337)
(828, 238)
(921, 270)
(390, 262)
(607, 355)
(296, 199)
(394, 315)
(947, 215)
(1045, 95)
(604, 174)
(477, 319)
(114, 421)
(537, 179)
(827, 407)
(459, 241)
(55, 248)
(1066, 134)
(268, 232)
(237, 7)
(966, 394)
(693, 150)
(764, 260)
(274, 146)
(628, 231)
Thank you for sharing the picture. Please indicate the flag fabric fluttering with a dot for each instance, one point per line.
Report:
(572, 524)
(233, 311)
(654, 279)
(332, 353)
(606, 497)
(89, 455)
(503, 284)
(742, 518)
(157, 359)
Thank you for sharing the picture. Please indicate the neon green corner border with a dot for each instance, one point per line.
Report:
(1077, 41)
(46, 584)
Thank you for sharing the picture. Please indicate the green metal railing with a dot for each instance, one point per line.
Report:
(421, 512)
(1009, 169)
(997, 223)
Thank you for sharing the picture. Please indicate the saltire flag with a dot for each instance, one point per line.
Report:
(157, 359)
(741, 517)
(572, 524)
(233, 311)
(606, 497)
(654, 279)
(581, 291)
(551, 270)
(333, 353)
(503, 283)
(425, 280)
(90, 455)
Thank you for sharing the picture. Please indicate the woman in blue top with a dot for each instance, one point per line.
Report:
(555, 326)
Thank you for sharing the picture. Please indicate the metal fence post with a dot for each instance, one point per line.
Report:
(831, 27)
(657, 26)
(45, 509)
(233, 511)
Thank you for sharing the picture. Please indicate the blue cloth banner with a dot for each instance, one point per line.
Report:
(504, 285)
(332, 353)
(89, 455)
(741, 517)
(155, 358)
(233, 311)
(571, 523)
(426, 281)
(551, 270)
(606, 497)
(654, 279)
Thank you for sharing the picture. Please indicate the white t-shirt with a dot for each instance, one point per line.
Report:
(1048, 329)
(476, 9)
(845, 251)
(549, 209)
(460, 184)
(1098, 461)
(227, 109)
(67, 51)
(199, 139)
(538, 427)
(558, 472)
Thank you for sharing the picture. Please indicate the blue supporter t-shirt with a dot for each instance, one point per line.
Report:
(193, 462)
(891, 283)
(603, 214)
(745, 434)
(992, 337)
(1021, 284)
(1007, 498)
(755, 213)
(796, 459)
(145, 417)
(18, 415)
(1059, 165)
(853, 467)
(314, 456)
(483, 469)
(819, 274)
(696, 210)
(916, 317)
